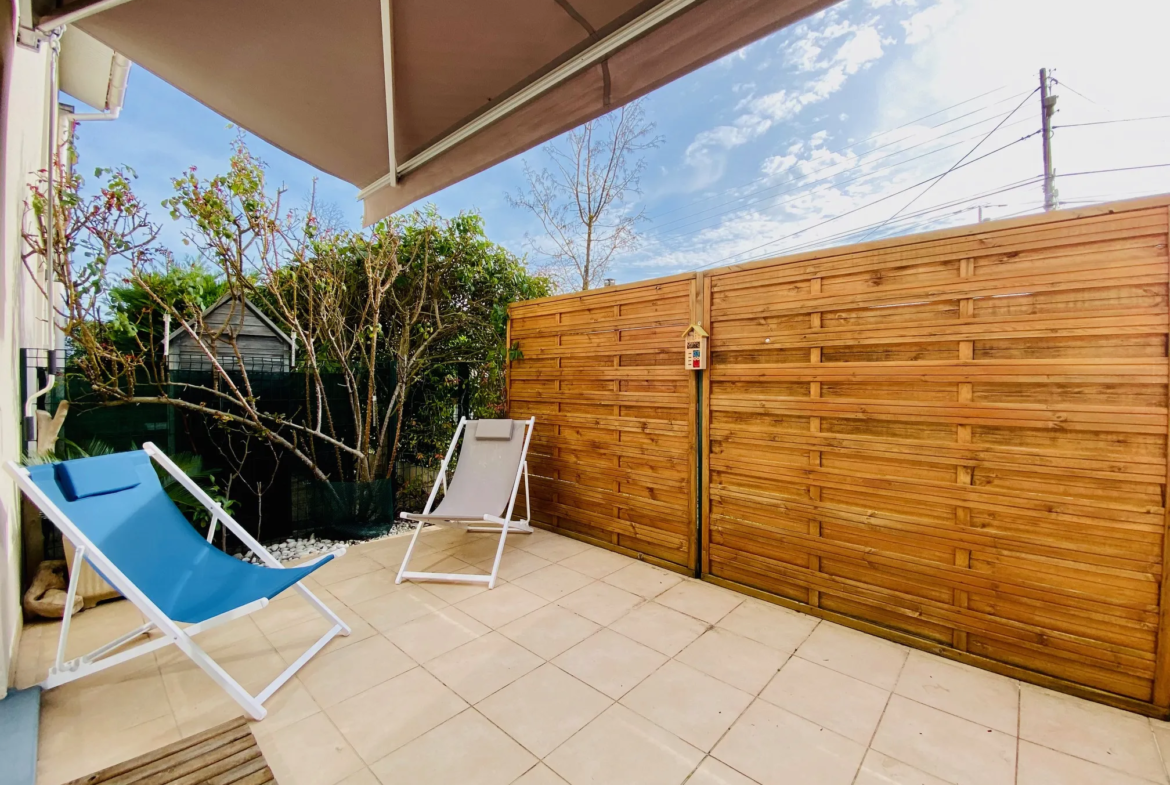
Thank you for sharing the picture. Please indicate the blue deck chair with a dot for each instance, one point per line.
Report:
(117, 515)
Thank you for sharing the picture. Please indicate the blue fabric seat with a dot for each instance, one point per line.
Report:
(119, 504)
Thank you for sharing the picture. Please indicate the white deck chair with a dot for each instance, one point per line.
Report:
(115, 512)
(492, 460)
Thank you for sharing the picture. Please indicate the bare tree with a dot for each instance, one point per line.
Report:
(581, 201)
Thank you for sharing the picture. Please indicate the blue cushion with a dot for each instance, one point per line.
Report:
(94, 476)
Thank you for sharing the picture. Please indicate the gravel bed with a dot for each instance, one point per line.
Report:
(300, 547)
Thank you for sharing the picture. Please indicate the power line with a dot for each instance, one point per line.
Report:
(870, 139)
(1072, 90)
(910, 217)
(1111, 122)
(803, 188)
(870, 204)
(859, 158)
(1118, 169)
(958, 163)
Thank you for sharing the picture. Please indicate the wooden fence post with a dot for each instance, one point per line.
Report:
(814, 456)
(963, 474)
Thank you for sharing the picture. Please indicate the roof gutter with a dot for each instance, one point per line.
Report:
(655, 17)
(115, 94)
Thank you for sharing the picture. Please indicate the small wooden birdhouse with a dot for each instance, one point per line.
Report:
(695, 343)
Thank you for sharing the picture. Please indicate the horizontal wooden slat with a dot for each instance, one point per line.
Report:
(963, 439)
(960, 438)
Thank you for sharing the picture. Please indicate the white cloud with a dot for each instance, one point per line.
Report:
(861, 46)
(808, 194)
(864, 47)
(926, 23)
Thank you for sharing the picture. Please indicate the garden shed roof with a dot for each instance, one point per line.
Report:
(405, 97)
(227, 298)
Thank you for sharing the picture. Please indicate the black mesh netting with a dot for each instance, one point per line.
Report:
(351, 510)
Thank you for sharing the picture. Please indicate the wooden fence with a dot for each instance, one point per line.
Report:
(613, 451)
(955, 440)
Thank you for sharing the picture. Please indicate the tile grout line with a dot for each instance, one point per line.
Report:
(881, 716)
(1019, 728)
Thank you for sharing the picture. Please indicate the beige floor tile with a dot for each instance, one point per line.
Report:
(440, 538)
(396, 544)
(596, 562)
(407, 603)
(289, 609)
(477, 669)
(476, 547)
(610, 662)
(549, 631)
(433, 561)
(643, 579)
(553, 582)
(1162, 737)
(309, 752)
(362, 776)
(830, 699)
(713, 772)
(236, 639)
(702, 600)
(292, 642)
(1103, 735)
(76, 749)
(383, 718)
(129, 695)
(775, 747)
(437, 633)
(600, 602)
(198, 703)
(660, 628)
(28, 657)
(970, 693)
(466, 749)
(366, 586)
(878, 769)
(540, 775)
(453, 592)
(501, 605)
(1042, 766)
(855, 654)
(544, 708)
(347, 566)
(771, 625)
(515, 564)
(556, 548)
(288, 705)
(944, 745)
(692, 705)
(622, 747)
(334, 677)
(732, 658)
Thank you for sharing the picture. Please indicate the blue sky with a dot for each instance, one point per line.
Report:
(805, 138)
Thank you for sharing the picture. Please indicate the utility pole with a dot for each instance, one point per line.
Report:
(1047, 109)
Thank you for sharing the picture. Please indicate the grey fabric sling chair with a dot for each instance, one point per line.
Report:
(482, 494)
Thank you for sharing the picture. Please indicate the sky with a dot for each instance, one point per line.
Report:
(870, 119)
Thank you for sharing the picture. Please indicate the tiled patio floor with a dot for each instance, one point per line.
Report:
(582, 667)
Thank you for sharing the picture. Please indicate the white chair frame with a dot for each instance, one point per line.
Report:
(101, 658)
(501, 525)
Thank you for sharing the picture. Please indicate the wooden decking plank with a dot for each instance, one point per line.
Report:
(222, 755)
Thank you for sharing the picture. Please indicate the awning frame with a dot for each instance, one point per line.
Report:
(655, 17)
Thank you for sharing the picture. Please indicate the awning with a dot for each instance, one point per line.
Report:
(471, 82)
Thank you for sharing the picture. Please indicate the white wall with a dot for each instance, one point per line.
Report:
(23, 311)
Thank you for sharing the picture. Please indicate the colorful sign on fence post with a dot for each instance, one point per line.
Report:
(695, 348)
